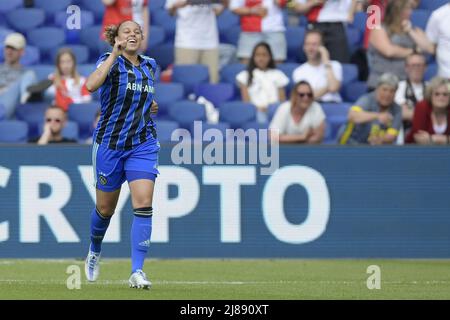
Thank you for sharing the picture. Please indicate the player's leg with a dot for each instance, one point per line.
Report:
(141, 187)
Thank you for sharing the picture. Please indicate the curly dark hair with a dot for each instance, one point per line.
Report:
(112, 31)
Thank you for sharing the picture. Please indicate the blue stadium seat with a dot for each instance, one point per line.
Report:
(231, 36)
(359, 21)
(431, 72)
(419, 18)
(229, 72)
(255, 125)
(7, 6)
(288, 68)
(163, 54)
(81, 53)
(90, 36)
(225, 21)
(96, 7)
(190, 75)
(354, 39)
(24, 20)
(432, 5)
(166, 94)
(157, 36)
(31, 56)
(33, 114)
(236, 113)
(295, 36)
(86, 69)
(221, 126)
(47, 39)
(43, 70)
(156, 4)
(51, 7)
(336, 115)
(162, 18)
(3, 34)
(216, 93)
(352, 91)
(271, 110)
(164, 129)
(84, 115)
(13, 131)
(87, 19)
(2, 112)
(186, 112)
(70, 130)
(349, 73)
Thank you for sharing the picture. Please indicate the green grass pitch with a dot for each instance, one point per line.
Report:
(197, 279)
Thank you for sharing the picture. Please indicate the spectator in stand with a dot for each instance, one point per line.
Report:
(300, 120)
(438, 33)
(55, 121)
(14, 78)
(431, 121)
(330, 17)
(196, 34)
(325, 76)
(68, 86)
(117, 11)
(261, 21)
(262, 83)
(411, 90)
(375, 118)
(390, 44)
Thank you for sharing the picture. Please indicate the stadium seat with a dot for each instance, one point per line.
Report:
(354, 39)
(31, 56)
(3, 34)
(90, 36)
(231, 36)
(353, 90)
(163, 54)
(229, 72)
(336, 115)
(43, 70)
(156, 4)
(271, 110)
(13, 131)
(221, 126)
(70, 130)
(47, 39)
(185, 112)
(86, 69)
(166, 94)
(81, 53)
(295, 36)
(431, 72)
(51, 7)
(96, 7)
(162, 18)
(236, 113)
(24, 20)
(73, 35)
(216, 93)
(84, 115)
(255, 125)
(33, 114)
(431, 5)
(225, 21)
(2, 112)
(164, 129)
(190, 75)
(359, 21)
(419, 18)
(349, 73)
(157, 36)
(288, 68)
(7, 6)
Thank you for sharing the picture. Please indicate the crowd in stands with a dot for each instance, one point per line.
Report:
(310, 71)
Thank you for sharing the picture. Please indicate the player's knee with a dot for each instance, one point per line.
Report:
(105, 210)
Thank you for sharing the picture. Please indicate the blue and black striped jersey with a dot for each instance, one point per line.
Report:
(126, 97)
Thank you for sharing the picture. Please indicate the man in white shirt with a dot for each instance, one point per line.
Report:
(438, 32)
(196, 35)
(325, 76)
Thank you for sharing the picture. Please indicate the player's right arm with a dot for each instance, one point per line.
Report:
(96, 78)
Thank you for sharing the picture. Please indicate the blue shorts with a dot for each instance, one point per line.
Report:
(113, 167)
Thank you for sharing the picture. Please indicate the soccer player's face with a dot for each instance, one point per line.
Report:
(131, 32)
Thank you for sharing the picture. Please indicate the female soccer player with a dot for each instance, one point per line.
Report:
(125, 144)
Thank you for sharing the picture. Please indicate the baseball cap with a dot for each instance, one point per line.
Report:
(15, 40)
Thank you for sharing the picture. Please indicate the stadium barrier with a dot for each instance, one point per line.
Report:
(322, 202)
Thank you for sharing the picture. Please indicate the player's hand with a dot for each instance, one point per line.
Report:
(119, 47)
(154, 107)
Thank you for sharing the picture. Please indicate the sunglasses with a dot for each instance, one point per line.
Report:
(437, 94)
(305, 94)
(53, 119)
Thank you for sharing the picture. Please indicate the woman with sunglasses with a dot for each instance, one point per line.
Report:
(300, 120)
(125, 144)
(431, 120)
